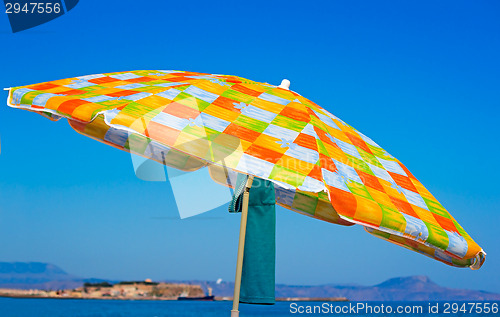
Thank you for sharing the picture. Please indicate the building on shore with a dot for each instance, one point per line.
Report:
(123, 290)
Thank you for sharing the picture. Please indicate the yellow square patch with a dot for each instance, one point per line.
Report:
(368, 211)
(270, 143)
(221, 113)
(267, 105)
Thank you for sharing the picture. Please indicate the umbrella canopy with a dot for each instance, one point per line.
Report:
(321, 166)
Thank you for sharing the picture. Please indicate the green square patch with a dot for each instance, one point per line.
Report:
(369, 158)
(137, 143)
(436, 207)
(316, 122)
(251, 123)
(93, 88)
(192, 102)
(359, 189)
(437, 236)
(28, 97)
(305, 203)
(285, 175)
(238, 96)
(392, 219)
(321, 148)
(289, 123)
(380, 152)
(358, 164)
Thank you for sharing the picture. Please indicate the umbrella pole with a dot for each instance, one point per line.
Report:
(241, 248)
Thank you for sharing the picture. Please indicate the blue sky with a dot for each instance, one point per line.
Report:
(421, 78)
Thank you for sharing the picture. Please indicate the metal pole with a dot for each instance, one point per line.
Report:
(241, 248)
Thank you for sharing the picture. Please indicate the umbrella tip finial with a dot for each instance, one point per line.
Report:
(285, 84)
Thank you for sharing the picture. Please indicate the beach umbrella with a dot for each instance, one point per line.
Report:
(320, 166)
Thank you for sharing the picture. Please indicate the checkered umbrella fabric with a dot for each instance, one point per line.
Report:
(321, 166)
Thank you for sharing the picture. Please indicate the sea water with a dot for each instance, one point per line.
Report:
(28, 307)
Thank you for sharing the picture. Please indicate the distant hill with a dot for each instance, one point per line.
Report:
(36, 275)
(412, 288)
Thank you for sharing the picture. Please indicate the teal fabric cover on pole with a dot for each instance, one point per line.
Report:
(259, 259)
